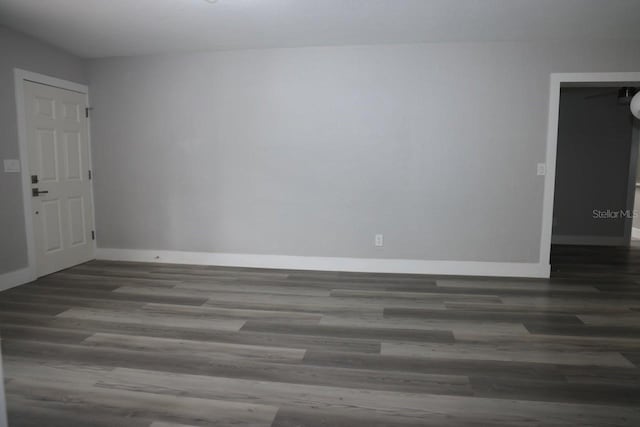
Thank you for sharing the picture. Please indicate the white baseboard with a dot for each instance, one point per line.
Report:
(366, 265)
(590, 240)
(15, 278)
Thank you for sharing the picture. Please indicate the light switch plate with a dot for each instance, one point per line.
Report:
(542, 169)
(11, 165)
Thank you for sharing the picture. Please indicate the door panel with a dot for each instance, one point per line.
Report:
(51, 225)
(71, 112)
(73, 146)
(47, 154)
(77, 228)
(58, 150)
(44, 107)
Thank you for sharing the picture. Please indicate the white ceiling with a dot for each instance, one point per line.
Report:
(101, 28)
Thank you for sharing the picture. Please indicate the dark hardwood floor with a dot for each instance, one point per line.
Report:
(129, 344)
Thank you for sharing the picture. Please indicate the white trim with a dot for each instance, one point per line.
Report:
(16, 278)
(50, 81)
(558, 80)
(94, 247)
(590, 240)
(635, 233)
(631, 183)
(365, 265)
(20, 76)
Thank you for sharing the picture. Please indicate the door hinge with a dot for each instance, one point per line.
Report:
(93, 235)
(86, 111)
(90, 175)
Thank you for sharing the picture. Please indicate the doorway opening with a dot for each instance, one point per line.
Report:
(594, 176)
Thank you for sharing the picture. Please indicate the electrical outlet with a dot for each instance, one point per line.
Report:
(379, 240)
(11, 165)
(542, 169)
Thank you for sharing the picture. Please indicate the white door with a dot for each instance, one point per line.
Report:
(58, 157)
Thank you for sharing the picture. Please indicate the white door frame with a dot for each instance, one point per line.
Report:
(20, 76)
(631, 181)
(559, 80)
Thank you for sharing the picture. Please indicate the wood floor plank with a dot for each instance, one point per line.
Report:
(551, 308)
(18, 307)
(498, 285)
(317, 417)
(53, 282)
(413, 296)
(231, 313)
(583, 330)
(147, 297)
(165, 424)
(143, 318)
(589, 393)
(559, 342)
(454, 326)
(99, 283)
(243, 287)
(317, 304)
(349, 331)
(413, 286)
(303, 305)
(628, 319)
(470, 314)
(608, 376)
(205, 349)
(591, 304)
(286, 302)
(68, 301)
(32, 413)
(77, 275)
(460, 367)
(550, 354)
(31, 333)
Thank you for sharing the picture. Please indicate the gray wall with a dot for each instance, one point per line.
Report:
(592, 170)
(20, 51)
(312, 151)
